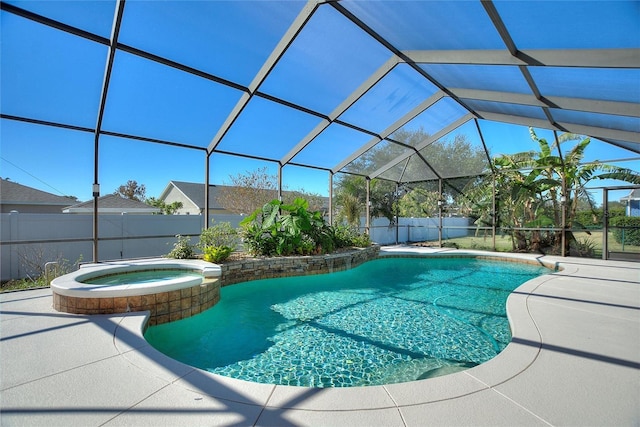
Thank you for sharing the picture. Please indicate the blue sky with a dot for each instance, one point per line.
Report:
(54, 76)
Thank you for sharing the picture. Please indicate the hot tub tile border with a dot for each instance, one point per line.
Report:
(188, 302)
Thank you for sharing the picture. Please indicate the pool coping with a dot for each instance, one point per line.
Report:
(71, 285)
(573, 360)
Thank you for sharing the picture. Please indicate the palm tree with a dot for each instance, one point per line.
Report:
(539, 188)
(350, 209)
(352, 195)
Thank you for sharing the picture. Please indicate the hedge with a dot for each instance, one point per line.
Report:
(631, 232)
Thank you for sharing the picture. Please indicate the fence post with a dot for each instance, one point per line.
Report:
(47, 269)
(123, 227)
(14, 266)
(605, 223)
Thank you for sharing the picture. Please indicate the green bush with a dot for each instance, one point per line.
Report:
(182, 249)
(588, 219)
(256, 240)
(345, 236)
(217, 253)
(342, 236)
(361, 240)
(630, 234)
(218, 241)
(219, 234)
(593, 218)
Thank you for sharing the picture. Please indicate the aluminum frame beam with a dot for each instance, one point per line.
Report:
(423, 144)
(102, 132)
(586, 58)
(593, 131)
(111, 54)
(292, 32)
(344, 106)
(575, 104)
(392, 128)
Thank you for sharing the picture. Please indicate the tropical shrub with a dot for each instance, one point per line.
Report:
(291, 229)
(343, 235)
(285, 229)
(361, 240)
(583, 247)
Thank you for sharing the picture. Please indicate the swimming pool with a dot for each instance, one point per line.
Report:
(386, 321)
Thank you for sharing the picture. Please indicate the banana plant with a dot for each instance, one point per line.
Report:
(284, 229)
(534, 187)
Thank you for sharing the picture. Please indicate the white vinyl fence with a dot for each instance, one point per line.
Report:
(416, 229)
(29, 241)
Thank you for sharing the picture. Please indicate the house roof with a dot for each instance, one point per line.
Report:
(112, 203)
(634, 195)
(14, 193)
(194, 192)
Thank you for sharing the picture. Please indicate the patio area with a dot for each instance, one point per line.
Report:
(574, 360)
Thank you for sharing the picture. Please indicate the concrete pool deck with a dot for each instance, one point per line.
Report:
(574, 360)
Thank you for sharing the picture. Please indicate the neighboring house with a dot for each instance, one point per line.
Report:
(18, 197)
(112, 204)
(632, 202)
(191, 194)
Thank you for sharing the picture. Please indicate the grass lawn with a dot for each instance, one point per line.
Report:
(23, 284)
(503, 243)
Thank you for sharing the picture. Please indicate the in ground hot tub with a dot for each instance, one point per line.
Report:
(169, 289)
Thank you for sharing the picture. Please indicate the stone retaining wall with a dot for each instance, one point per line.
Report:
(268, 268)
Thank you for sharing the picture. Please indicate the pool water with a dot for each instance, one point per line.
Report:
(386, 321)
(139, 277)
